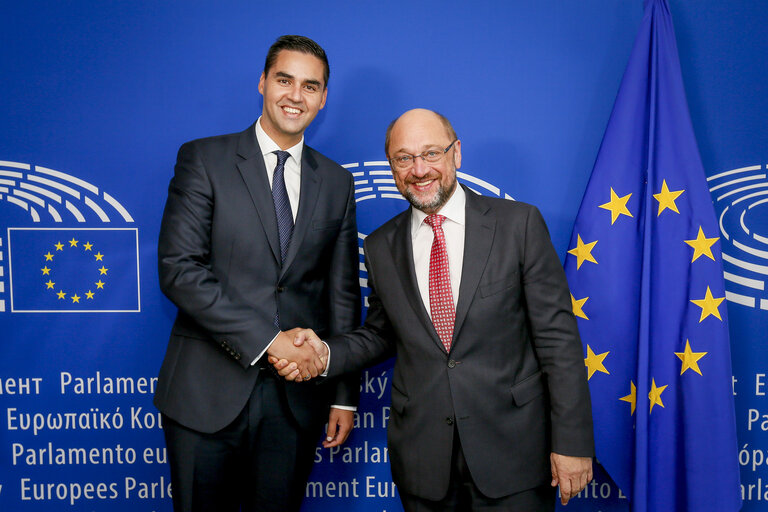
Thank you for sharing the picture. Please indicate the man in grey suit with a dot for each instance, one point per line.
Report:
(258, 236)
(490, 404)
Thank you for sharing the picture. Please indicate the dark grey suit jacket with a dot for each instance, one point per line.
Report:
(514, 385)
(219, 262)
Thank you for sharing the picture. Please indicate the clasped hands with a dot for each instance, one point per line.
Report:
(298, 354)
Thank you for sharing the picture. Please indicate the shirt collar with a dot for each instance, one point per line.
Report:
(453, 210)
(269, 146)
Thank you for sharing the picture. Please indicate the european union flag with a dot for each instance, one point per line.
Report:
(73, 270)
(646, 277)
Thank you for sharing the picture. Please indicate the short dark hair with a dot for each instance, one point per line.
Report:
(446, 124)
(297, 44)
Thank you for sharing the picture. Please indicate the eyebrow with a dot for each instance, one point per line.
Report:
(424, 148)
(311, 81)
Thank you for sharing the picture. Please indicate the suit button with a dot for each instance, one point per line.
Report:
(280, 289)
(451, 363)
(449, 420)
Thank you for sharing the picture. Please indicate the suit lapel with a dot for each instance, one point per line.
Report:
(310, 188)
(255, 177)
(478, 239)
(401, 245)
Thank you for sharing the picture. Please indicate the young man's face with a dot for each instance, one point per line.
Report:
(294, 92)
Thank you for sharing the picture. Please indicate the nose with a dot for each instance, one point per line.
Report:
(420, 167)
(294, 94)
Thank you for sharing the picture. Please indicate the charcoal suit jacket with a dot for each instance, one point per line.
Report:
(219, 262)
(513, 386)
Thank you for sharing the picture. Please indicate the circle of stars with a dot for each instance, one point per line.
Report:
(61, 294)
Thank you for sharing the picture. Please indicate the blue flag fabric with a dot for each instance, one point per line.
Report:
(645, 272)
(85, 270)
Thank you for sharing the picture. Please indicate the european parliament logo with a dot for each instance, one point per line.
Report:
(64, 269)
(378, 200)
(741, 200)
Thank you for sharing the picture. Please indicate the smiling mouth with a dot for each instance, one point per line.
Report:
(291, 110)
(422, 184)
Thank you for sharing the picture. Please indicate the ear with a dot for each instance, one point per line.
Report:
(325, 97)
(261, 84)
(457, 154)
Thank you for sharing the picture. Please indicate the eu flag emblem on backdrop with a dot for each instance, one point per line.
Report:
(646, 278)
(74, 270)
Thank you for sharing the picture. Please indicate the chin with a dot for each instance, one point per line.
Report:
(422, 203)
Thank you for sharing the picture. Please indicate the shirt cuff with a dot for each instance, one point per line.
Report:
(327, 363)
(345, 407)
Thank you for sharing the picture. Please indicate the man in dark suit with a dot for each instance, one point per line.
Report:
(258, 236)
(490, 404)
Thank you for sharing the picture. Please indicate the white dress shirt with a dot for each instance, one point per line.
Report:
(422, 236)
(292, 165)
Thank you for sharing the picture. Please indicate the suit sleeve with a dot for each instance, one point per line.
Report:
(366, 345)
(184, 261)
(344, 289)
(556, 341)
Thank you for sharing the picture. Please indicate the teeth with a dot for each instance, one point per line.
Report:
(291, 110)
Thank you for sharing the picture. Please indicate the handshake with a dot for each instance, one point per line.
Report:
(298, 354)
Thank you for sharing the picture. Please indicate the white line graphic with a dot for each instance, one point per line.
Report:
(743, 220)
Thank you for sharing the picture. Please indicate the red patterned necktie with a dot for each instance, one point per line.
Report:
(440, 295)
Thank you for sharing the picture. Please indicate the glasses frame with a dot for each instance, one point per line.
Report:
(422, 156)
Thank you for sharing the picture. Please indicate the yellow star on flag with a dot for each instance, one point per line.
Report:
(577, 304)
(73, 242)
(98, 256)
(89, 294)
(702, 246)
(61, 294)
(75, 298)
(655, 395)
(87, 246)
(690, 359)
(666, 198)
(99, 284)
(583, 252)
(59, 246)
(617, 206)
(709, 305)
(50, 284)
(46, 270)
(49, 256)
(595, 362)
(631, 397)
(103, 270)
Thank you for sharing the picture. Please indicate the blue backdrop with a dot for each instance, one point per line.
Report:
(95, 99)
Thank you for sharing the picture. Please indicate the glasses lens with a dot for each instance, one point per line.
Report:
(402, 161)
(432, 155)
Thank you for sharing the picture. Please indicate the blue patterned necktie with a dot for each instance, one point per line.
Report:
(282, 212)
(282, 204)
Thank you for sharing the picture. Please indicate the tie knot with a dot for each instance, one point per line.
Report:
(282, 156)
(435, 220)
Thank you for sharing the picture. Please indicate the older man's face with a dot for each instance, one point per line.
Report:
(427, 186)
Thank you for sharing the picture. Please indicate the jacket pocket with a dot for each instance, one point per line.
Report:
(499, 286)
(528, 389)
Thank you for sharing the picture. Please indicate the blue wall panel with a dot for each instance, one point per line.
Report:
(106, 92)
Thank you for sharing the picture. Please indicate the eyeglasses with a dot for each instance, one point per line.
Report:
(403, 161)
